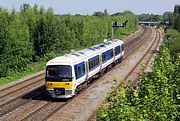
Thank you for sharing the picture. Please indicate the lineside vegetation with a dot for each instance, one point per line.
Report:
(34, 35)
(158, 95)
(157, 98)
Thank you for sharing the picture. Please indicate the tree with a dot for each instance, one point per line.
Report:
(177, 17)
(4, 21)
(18, 50)
(177, 22)
(98, 13)
(150, 17)
(168, 18)
(106, 12)
(177, 9)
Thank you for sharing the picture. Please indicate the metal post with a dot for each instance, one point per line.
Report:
(112, 33)
(115, 25)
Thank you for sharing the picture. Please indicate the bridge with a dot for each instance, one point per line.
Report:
(149, 23)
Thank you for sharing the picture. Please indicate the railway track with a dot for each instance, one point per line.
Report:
(75, 116)
(20, 89)
(46, 107)
(54, 110)
(23, 88)
(145, 60)
(137, 69)
(132, 46)
(19, 101)
(45, 111)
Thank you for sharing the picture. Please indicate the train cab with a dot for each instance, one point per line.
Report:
(59, 80)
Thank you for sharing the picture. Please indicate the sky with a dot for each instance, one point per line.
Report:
(88, 7)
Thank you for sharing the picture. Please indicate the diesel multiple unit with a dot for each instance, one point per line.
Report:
(66, 75)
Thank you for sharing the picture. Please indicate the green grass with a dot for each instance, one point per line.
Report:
(31, 69)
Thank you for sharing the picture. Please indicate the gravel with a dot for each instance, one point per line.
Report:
(83, 105)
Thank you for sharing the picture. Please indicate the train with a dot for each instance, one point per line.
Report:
(66, 75)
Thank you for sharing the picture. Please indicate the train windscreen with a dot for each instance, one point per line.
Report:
(63, 71)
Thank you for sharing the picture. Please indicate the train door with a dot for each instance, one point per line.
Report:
(87, 70)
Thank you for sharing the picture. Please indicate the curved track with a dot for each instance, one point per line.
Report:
(137, 69)
(44, 106)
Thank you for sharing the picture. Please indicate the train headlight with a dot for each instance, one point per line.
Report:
(48, 84)
(67, 84)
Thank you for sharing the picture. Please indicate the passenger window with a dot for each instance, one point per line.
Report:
(103, 57)
(111, 53)
(90, 65)
(122, 47)
(79, 71)
(94, 62)
(83, 68)
(98, 61)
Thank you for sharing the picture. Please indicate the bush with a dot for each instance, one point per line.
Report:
(157, 98)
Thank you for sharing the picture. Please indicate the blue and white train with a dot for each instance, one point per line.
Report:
(66, 75)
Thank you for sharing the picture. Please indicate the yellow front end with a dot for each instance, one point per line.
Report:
(60, 89)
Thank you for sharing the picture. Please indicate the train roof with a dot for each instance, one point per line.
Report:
(77, 56)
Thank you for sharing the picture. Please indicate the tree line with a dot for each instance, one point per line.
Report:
(150, 17)
(172, 42)
(169, 18)
(172, 35)
(34, 33)
(172, 19)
